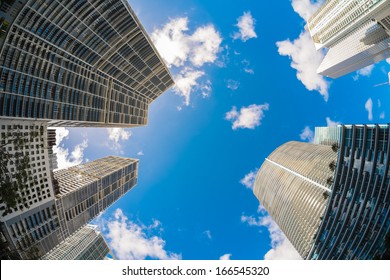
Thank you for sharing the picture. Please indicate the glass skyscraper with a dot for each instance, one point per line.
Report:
(77, 63)
(355, 33)
(331, 200)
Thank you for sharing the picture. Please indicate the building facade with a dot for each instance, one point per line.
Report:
(86, 243)
(292, 185)
(88, 189)
(356, 222)
(27, 197)
(356, 34)
(78, 63)
(332, 200)
(77, 195)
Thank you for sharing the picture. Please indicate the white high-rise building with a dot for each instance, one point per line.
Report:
(85, 244)
(356, 34)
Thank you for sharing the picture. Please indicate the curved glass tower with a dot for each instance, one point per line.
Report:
(331, 199)
(292, 185)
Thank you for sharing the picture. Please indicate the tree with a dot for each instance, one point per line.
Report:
(325, 194)
(30, 252)
(15, 170)
(335, 147)
(332, 165)
(329, 181)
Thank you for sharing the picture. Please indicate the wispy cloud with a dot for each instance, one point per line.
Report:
(305, 59)
(135, 241)
(140, 153)
(206, 89)
(249, 179)
(307, 134)
(331, 123)
(368, 107)
(246, 27)
(225, 257)
(207, 233)
(365, 72)
(248, 117)
(281, 247)
(232, 85)
(116, 136)
(66, 158)
(247, 68)
(186, 83)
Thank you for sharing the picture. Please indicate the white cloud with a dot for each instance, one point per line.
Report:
(248, 117)
(225, 257)
(305, 59)
(365, 72)
(249, 179)
(116, 136)
(206, 43)
(307, 134)
(306, 8)
(368, 107)
(232, 85)
(189, 52)
(131, 241)
(388, 60)
(176, 46)
(382, 115)
(61, 134)
(186, 82)
(206, 89)
(65, 158)
(246, 25)
(140, 153)
(281, 247)
(208, 234)
(331, 123)
(172, 42)
(247, 69)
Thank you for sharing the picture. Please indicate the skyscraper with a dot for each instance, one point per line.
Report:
(27, 196)
(291, 185)
(86, 243)
(77, 63)
(356, 34)
(77, 195)
(331, 200)
(88, 189)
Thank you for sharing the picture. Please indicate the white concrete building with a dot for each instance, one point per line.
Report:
(355, 33)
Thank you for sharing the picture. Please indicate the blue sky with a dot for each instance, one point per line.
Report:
(245, 84)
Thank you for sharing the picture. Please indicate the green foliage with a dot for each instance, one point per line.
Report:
(325, 195)
(30, 253)
(14, 182)
(329, 181)
(335, 147)
(332, 165)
